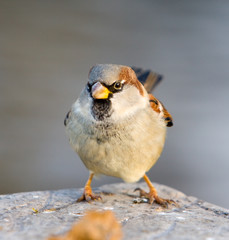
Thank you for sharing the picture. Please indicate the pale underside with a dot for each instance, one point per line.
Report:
(126, 149)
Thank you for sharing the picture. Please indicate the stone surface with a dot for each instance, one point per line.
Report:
(37, 215)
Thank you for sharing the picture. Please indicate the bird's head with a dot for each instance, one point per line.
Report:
(114, 92)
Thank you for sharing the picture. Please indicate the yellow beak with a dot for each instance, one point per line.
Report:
(98, 91)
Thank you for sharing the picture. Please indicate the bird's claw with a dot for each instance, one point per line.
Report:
(155, 198)
(88, 197)
(142, 192)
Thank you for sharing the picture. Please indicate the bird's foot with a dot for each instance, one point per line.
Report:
(153, 197)
(89, 196)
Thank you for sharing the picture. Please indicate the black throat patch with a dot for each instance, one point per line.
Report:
(101, 109)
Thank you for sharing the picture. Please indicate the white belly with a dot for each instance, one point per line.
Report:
(126, 151)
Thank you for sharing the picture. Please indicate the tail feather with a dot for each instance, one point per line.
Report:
(148, 78)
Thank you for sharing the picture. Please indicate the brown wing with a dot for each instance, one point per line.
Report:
(158, 107)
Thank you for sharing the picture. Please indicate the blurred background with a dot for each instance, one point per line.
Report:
(46, 50)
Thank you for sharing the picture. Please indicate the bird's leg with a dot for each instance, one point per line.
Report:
(152, 194)
(88, 195)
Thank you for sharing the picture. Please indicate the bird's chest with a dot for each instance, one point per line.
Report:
(123, 150)
(99, 143)
(103, 143)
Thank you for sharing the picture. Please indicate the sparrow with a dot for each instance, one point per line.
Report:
(118, 128)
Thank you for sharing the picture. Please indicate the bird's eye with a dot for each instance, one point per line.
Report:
(118, 85)
(88, 87)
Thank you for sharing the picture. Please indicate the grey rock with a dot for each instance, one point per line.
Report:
(37, 215)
